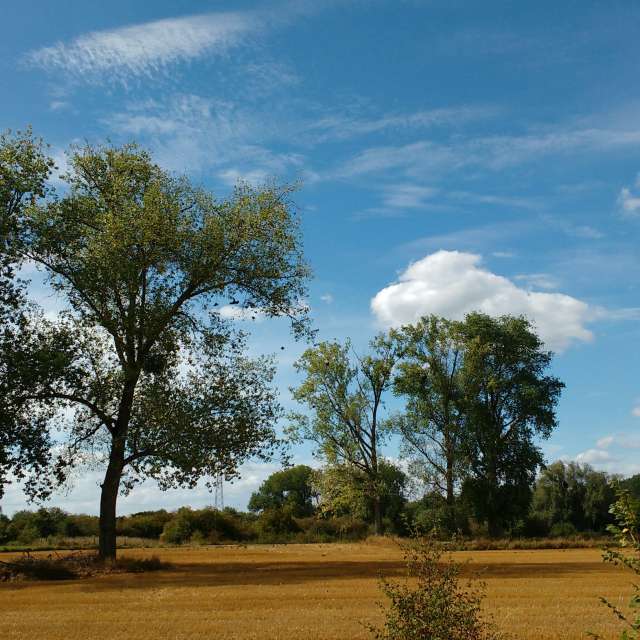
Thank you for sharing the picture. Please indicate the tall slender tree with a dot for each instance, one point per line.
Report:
(433, 422)
(156, 384)
(344, 394)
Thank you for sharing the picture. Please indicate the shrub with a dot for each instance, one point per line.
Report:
(179, 529)
(146, 524)
(277, 522)
(4, 528)
(563, 530)
(627, 533)
(440, 606)
(205, 525)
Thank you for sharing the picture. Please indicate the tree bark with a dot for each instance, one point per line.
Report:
(377, 515)
(109, 499)
(113, 474)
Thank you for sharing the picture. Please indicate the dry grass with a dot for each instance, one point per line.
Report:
(301, 591)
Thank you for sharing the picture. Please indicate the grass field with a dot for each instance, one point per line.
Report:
(302, 592)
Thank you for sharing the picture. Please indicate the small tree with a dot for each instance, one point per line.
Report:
(155, 382)
(438, 605)
(627, 533)
(344, 394)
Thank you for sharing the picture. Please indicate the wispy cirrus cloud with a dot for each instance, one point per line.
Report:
(335, 127)
(147, 48)
(494, 153)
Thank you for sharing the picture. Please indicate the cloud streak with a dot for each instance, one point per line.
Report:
(147, 48)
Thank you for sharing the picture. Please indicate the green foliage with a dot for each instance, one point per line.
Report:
(344, 395)
(143, 259)
(146, 524)
(432, 425)
(204, 525)
(437, 605)
(277, 521)
(627, 533)
(572, 497)
(509, 401)
(291, 488)
(24, 169)
(345, 491)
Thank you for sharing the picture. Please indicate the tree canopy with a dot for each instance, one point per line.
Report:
(510, 401)
(344, 394)
(156, 383)
(24, 170)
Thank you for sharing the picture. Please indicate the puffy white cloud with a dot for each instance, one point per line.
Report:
(629, 202)
(636, 411)
(453, 283)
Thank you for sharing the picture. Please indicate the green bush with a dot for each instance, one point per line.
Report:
(277, 522)
(203, 526)
(5, 523)
(563, 530)
(437, 606)
(146, 524)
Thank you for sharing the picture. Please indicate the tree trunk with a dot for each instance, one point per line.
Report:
(108, 501)
(377, 515)
(111, 484)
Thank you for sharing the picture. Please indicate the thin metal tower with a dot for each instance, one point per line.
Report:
(218, 493)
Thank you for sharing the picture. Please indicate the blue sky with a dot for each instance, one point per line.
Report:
(452, 156)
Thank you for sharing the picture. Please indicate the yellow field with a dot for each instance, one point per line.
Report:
(302, 592)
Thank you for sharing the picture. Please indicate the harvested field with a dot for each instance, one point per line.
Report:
(302, 592)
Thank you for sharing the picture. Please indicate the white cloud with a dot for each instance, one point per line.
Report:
(407, 196)
(234, 312)
(188, 132)
(629, 202)
(341, 127)
(595, 456)
(494, 153)
(147, 48)
(624, 440)
(636, 411)
(327, 298)
(452, 283)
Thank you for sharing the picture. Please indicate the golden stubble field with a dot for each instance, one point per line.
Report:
(303, 592)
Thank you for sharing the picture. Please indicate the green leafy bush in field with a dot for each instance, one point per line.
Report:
(626, 530)
(278, 521)
(146, 524)
(204, 525)
(440, 606)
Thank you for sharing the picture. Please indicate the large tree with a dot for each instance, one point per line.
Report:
(24, 169)
(510, 401)
(433, 422)
(147, 375)
(344, 394)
